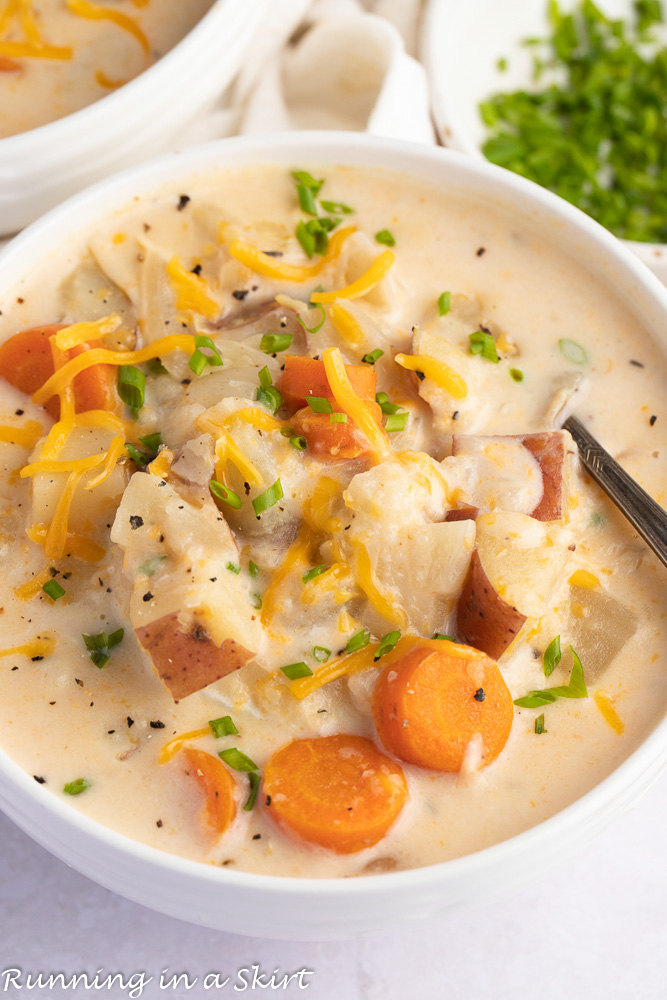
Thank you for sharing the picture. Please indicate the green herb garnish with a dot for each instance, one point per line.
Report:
(372, 356)
(552, 656)
(318, 326)
(237, 760)
(253, 568)
(385, 238)
(254, 780)
(319, 404)
(444, 303)
(439, 635)
(131, 385)
(313, 573)
(484, 344)
(396, 422)
(199, 360)
(336, 207)
(321, 653)
(387, 643)
(76, 787)
(338, 418)
(539, 724)
(516, 374)
(222, 492)
(99, 646)
(274, 343)
(268, 498)
(576, 688)
(572, 351)
(256, 601)
(295, 670)
(53, 590)
(358, 641)
(233, 568)
(298, 442)
(223, 727)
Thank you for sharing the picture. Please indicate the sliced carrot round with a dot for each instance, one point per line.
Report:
(329, 439)
(339, 792)
(218, 786)
(303, 377)
(26, 362)
(429, 705)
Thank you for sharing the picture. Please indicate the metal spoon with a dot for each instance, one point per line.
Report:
(644, 514)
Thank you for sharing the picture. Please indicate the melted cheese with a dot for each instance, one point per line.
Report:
(350, 403)
(56, 537)
(375, 273)
(26, 436)
(347, 327)
(191, 291)
(382, 602)
(261, 263)
(41, 646)
(436, 371)
(170, 749)
(92, 11)
(606, 705)
(34, 585)
(78, 545)
(115, 452)
(81, 333)
(297, 557)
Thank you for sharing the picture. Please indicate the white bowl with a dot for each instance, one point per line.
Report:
(318, 909)
(41, 167)
(460, 47)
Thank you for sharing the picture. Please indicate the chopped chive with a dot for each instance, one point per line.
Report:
(155, 367)
(199, 360)
(372, 356)
(484, 344)
(439, 635)
(53, 590)
(321, 653)
(306, 199)
(99, 645)
(152, 441)
(539, 724)
(131, 384)
(516, 374)
(115, 638)
(295, 670)
(396, 422)
(319, 404)
(256, 601)
(572, 351)
(254, 780)
(336, 207)
(271, 398)
(274, 343)
(444, 303)
(233, 569)
(268, 498)
(298, 442)
(313, 573)
(338, 418)
(387, 643)
(318, 326)
(151, 566)
(222, 492)
(307, 180)
(286, 431)
(223, 727)
(552, 656)
(358, 641)
(306, 239)
(253, 568)
(237, 760)
(76, 787)
(385, 238)
(382, 399)
(137, 455)
(264, 377)
(576, 688)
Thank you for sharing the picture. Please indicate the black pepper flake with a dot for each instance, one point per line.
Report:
(320, 711)
(148, 596)
(455, 415)
(479, 694)
(157, 725)
(213, 579)
(637, 364)
(39, 779)
(480, 251)
(196, 270)
(257, 836)
(272, 253)
(420, 376)
(246, 487)
(159, 823)
(572, 548)
(14, 668)
(67, 575)
(130, 722)
(110, 732)
(653, 420)
(36, 659)
(268, 800)
(78, 681)
(19, 413)
(136, 521)
(185, 381)
(316, 358)
(240, 294)
(182, 202)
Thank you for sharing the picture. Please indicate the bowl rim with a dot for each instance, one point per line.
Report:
(628, 780)
(111, 103)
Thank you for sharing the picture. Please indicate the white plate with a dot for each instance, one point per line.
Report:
(461, 43)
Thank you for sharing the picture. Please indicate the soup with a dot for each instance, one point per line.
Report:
(57, 56)
(301, 575)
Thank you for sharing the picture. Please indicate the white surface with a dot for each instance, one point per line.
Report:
(460, 47)
(593, 930)
(342, 908)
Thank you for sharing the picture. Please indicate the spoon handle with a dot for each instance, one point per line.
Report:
(641, 510)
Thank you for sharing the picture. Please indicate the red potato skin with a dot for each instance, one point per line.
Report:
(484, 620)
(549, 449)
(188, 660)
(462, 514)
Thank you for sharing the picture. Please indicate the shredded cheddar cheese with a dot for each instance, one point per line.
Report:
(375, 273)
(331, 580)
(33, 45)
(382, 602)
(350, 403)
(39, 647)
(261, 263)
(582, 578)
(606, 705)
(436, 371)
(34, 585)
(347, 327)
(101, 356)
(161, 466)
(318, 507)
(297, 557)
(226, 450)
(115, 452)
(191, 291)
(256, 418)
(81, 333)
(78, 545)
(170, 749)
(70, 465)
(56, 537)
(26, 436)
(93, 12)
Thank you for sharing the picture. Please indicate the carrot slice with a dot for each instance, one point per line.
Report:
(328, 439)
(26, 362)
(339, 791)
(218, 786)
(8, 65)
(305, 377)
(428, 705)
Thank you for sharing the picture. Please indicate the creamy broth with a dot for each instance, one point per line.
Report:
(584, 576)
(88, 54)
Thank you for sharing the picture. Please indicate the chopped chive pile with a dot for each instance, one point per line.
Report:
(223, 727)
(483, 343)
(99, 646)
(591, 127)
(576, 688)
(313, 235)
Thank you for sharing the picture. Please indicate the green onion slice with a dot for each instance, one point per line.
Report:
(256, 601)
(484, 344)
(372, 356)
(552, 656)
(76, 787)
(396, 422)
(338, 418)
(295, 670)
(336, 207)
(539, 724)
(444, 303)
(53, 590)
(131, 384)
(321, 653)
(572, 351)
(253, 568)
(576, 688)
(222, 492)
(306, 199)
(318, 326)
(199, 360)
(274, 343)
(319, 404)
(233, 568)
(358, 641)
(271, 398)
(307, 180)
(313, 573)
(516, 374)
(439, 635)
(254, 780)
(152, 441)
(237, 760)
(223, 727)
(268, 498)
(385, 238)
(264, 377)
(382, 399)
(298, 442)
(387, 643)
